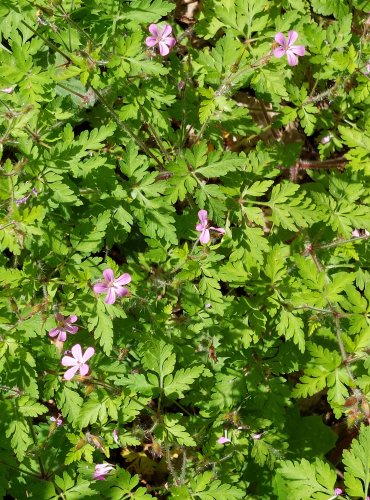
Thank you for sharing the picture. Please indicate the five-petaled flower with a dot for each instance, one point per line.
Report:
(77, 361)
(287, 47)
(161, 37)
(112, 287)
(64, 326)
(203, 227)
(102, 470)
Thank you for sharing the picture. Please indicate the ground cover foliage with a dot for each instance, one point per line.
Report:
(221, 363)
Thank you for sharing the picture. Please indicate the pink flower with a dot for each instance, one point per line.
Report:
(161, 37)
(203, 227)
(57, 420)
(367, 69)
(112, 286)
(8, 90)
(77, 362)
(223, 440)
(287, 47)
(338, 491)
(102, 470)
(64, 327)
(358, 233)
(257, 436)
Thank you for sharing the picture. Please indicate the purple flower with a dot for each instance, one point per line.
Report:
(64, 327)
(102, 470)
(112, 287)
(57, 420)
(338, 491)
(203, 227)
(223, 440)
(24, 199)
(287, 47)
(161, 37)
(77, 361)
(367, 69)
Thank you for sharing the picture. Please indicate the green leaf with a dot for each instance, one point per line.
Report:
(159, 358)
(290, 209)
(304, 480)
(357, 465)
(102, 326)
(292, 326)
(175, 385)
(30, 407)
(173, 431)
(19, 432)
(206, 487)
(69, 401)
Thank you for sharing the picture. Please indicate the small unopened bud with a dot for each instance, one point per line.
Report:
(326, 139)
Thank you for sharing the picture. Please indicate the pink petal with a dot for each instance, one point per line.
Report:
(279, 52)
(280, 39)
(121, 291)
(71, 373)
(218, 229)
(167, 30)
(163, 49)
(203, 216)
(205, 236)
(90, 351)
(153, 29)
(111, 296)
(100, 288)
(68, 361)
(54, 332)
(292, 58)
(124, 279)
(223, 440)
(292, 37)
(71, 329)
(72, 319)
(108, 275)
(77, 353)
(84, 369)
(151, 41)
(298, 49)
(170, 42)
(62, 337)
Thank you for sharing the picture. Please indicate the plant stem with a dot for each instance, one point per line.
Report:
(50, 44)
(32, 432)
(18, 469)
(342, 242)
(226, 84)
(159, 142)
(169, 463)
(126, 128)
